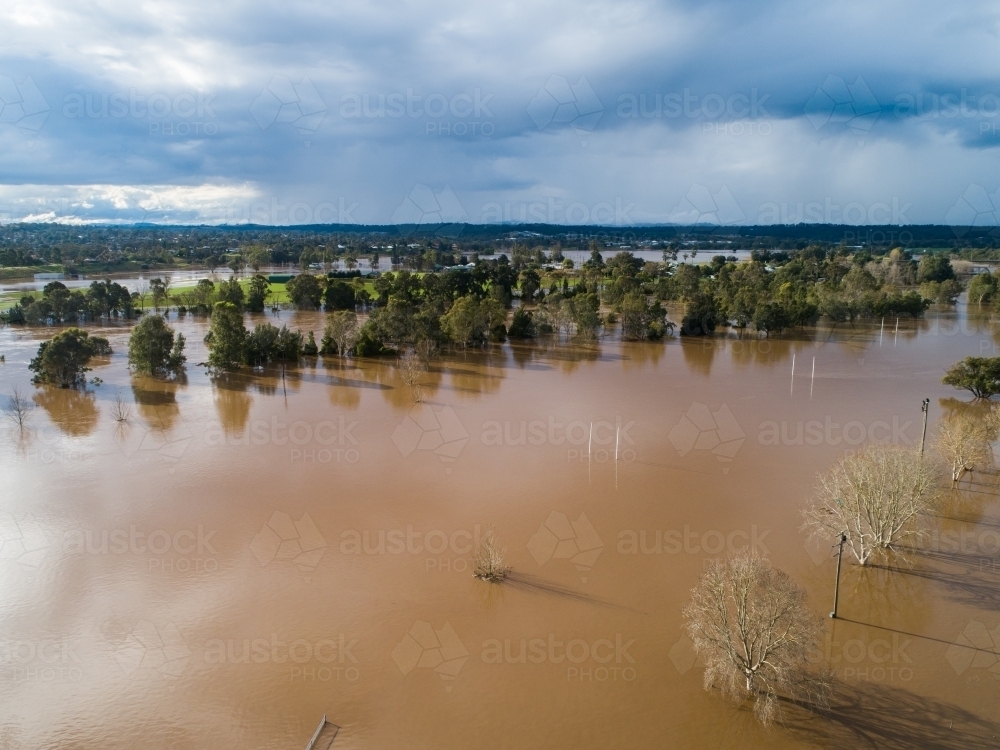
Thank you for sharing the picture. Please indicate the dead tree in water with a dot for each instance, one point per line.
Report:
(875, 497)
(750, 624)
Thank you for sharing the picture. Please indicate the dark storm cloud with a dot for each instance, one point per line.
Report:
(207, 110)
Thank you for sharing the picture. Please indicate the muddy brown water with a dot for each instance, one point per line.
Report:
(245, 555)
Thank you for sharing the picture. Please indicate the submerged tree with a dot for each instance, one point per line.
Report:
(227, 337)
(489, 559)
(873, 497)
(340, 334)
(267, 343)
(963, 440)
(260, 290)
(410, 366)
(980, 375)
(18, 408)
(63, 359)
(305, 291)
(749, 622)
(153, 349)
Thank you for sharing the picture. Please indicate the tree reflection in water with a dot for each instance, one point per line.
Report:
(74, 411)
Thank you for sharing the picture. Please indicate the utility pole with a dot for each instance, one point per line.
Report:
(836, 586)
(923, 437)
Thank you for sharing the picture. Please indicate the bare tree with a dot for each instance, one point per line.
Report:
(121, 410)
(142, 290)
(427, 349)
(411, 367)
(18, 408)
(341, 332)
(874, 497)
(749, 623)
(489, 559)
(963, 440)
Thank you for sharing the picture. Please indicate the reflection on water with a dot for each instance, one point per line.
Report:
(72, 410)
(275, 511)
(475, 374)
(698, 355)
(232, 401)
(645, 354)
(156, 401)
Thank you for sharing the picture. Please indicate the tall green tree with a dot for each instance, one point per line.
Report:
(339, 295)
(230, 291)
(153, 349)
(159, 289)
(227, 337)
(935, 267)
(982, 288)
(266, 343)
(260, 290)
(980, 375)
(63, 359)
(305, 291)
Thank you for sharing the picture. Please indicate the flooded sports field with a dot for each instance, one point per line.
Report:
(244, 554)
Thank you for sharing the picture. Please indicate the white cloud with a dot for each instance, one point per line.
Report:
(508, 52)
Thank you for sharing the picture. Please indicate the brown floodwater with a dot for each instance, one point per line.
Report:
(246, 554)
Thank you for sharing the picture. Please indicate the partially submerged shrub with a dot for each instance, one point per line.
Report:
(488, 562)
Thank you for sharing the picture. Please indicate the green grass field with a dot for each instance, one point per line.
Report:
(278, 294)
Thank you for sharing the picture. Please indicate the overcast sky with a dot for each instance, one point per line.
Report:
(610, 112)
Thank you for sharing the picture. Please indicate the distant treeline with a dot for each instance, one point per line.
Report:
(110, 248)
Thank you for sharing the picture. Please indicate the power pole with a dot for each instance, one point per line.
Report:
(923, 437)
(836, 586)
